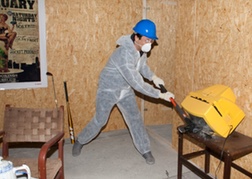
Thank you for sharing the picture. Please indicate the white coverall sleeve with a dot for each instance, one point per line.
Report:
(127, 69)
(145, 69)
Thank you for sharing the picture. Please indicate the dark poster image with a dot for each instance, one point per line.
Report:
(22, 44)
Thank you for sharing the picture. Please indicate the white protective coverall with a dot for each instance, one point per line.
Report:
(122, 75)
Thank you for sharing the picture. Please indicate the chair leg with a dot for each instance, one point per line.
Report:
(61, 156)
(62, 174)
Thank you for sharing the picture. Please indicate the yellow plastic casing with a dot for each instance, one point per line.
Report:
(216, 105)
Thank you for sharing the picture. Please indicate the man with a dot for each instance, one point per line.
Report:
(122, 75)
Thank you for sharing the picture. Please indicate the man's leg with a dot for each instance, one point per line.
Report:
(133, 119)
(104, 103)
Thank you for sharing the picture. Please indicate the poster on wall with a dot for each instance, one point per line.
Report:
(22, 44)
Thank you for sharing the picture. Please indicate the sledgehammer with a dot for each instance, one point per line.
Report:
(189, 124)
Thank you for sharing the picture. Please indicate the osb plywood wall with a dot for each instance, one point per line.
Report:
(80, 36)
(162, 58)
(201, 43)
(214, 47)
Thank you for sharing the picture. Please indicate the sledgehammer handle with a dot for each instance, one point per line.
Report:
(179, 110)
(181, 113)
(164, 90)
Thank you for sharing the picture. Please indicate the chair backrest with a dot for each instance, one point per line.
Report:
(32, 124)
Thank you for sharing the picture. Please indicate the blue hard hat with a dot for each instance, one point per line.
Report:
(146, 28)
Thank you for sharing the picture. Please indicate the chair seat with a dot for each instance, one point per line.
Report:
(33, 163)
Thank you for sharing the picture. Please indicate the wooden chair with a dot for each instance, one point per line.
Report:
(42, 127)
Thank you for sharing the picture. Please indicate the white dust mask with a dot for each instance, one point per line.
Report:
(146, 47)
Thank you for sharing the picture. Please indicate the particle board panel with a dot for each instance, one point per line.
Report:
(87, 38)
(162, 57)
(214, 47)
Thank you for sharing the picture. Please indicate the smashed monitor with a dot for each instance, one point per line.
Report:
(216, 105)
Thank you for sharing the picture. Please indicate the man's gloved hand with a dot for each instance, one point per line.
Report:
(166, 96)
(157, 81)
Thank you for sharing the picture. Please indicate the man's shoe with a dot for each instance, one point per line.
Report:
(149, 158)
(76, 148)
